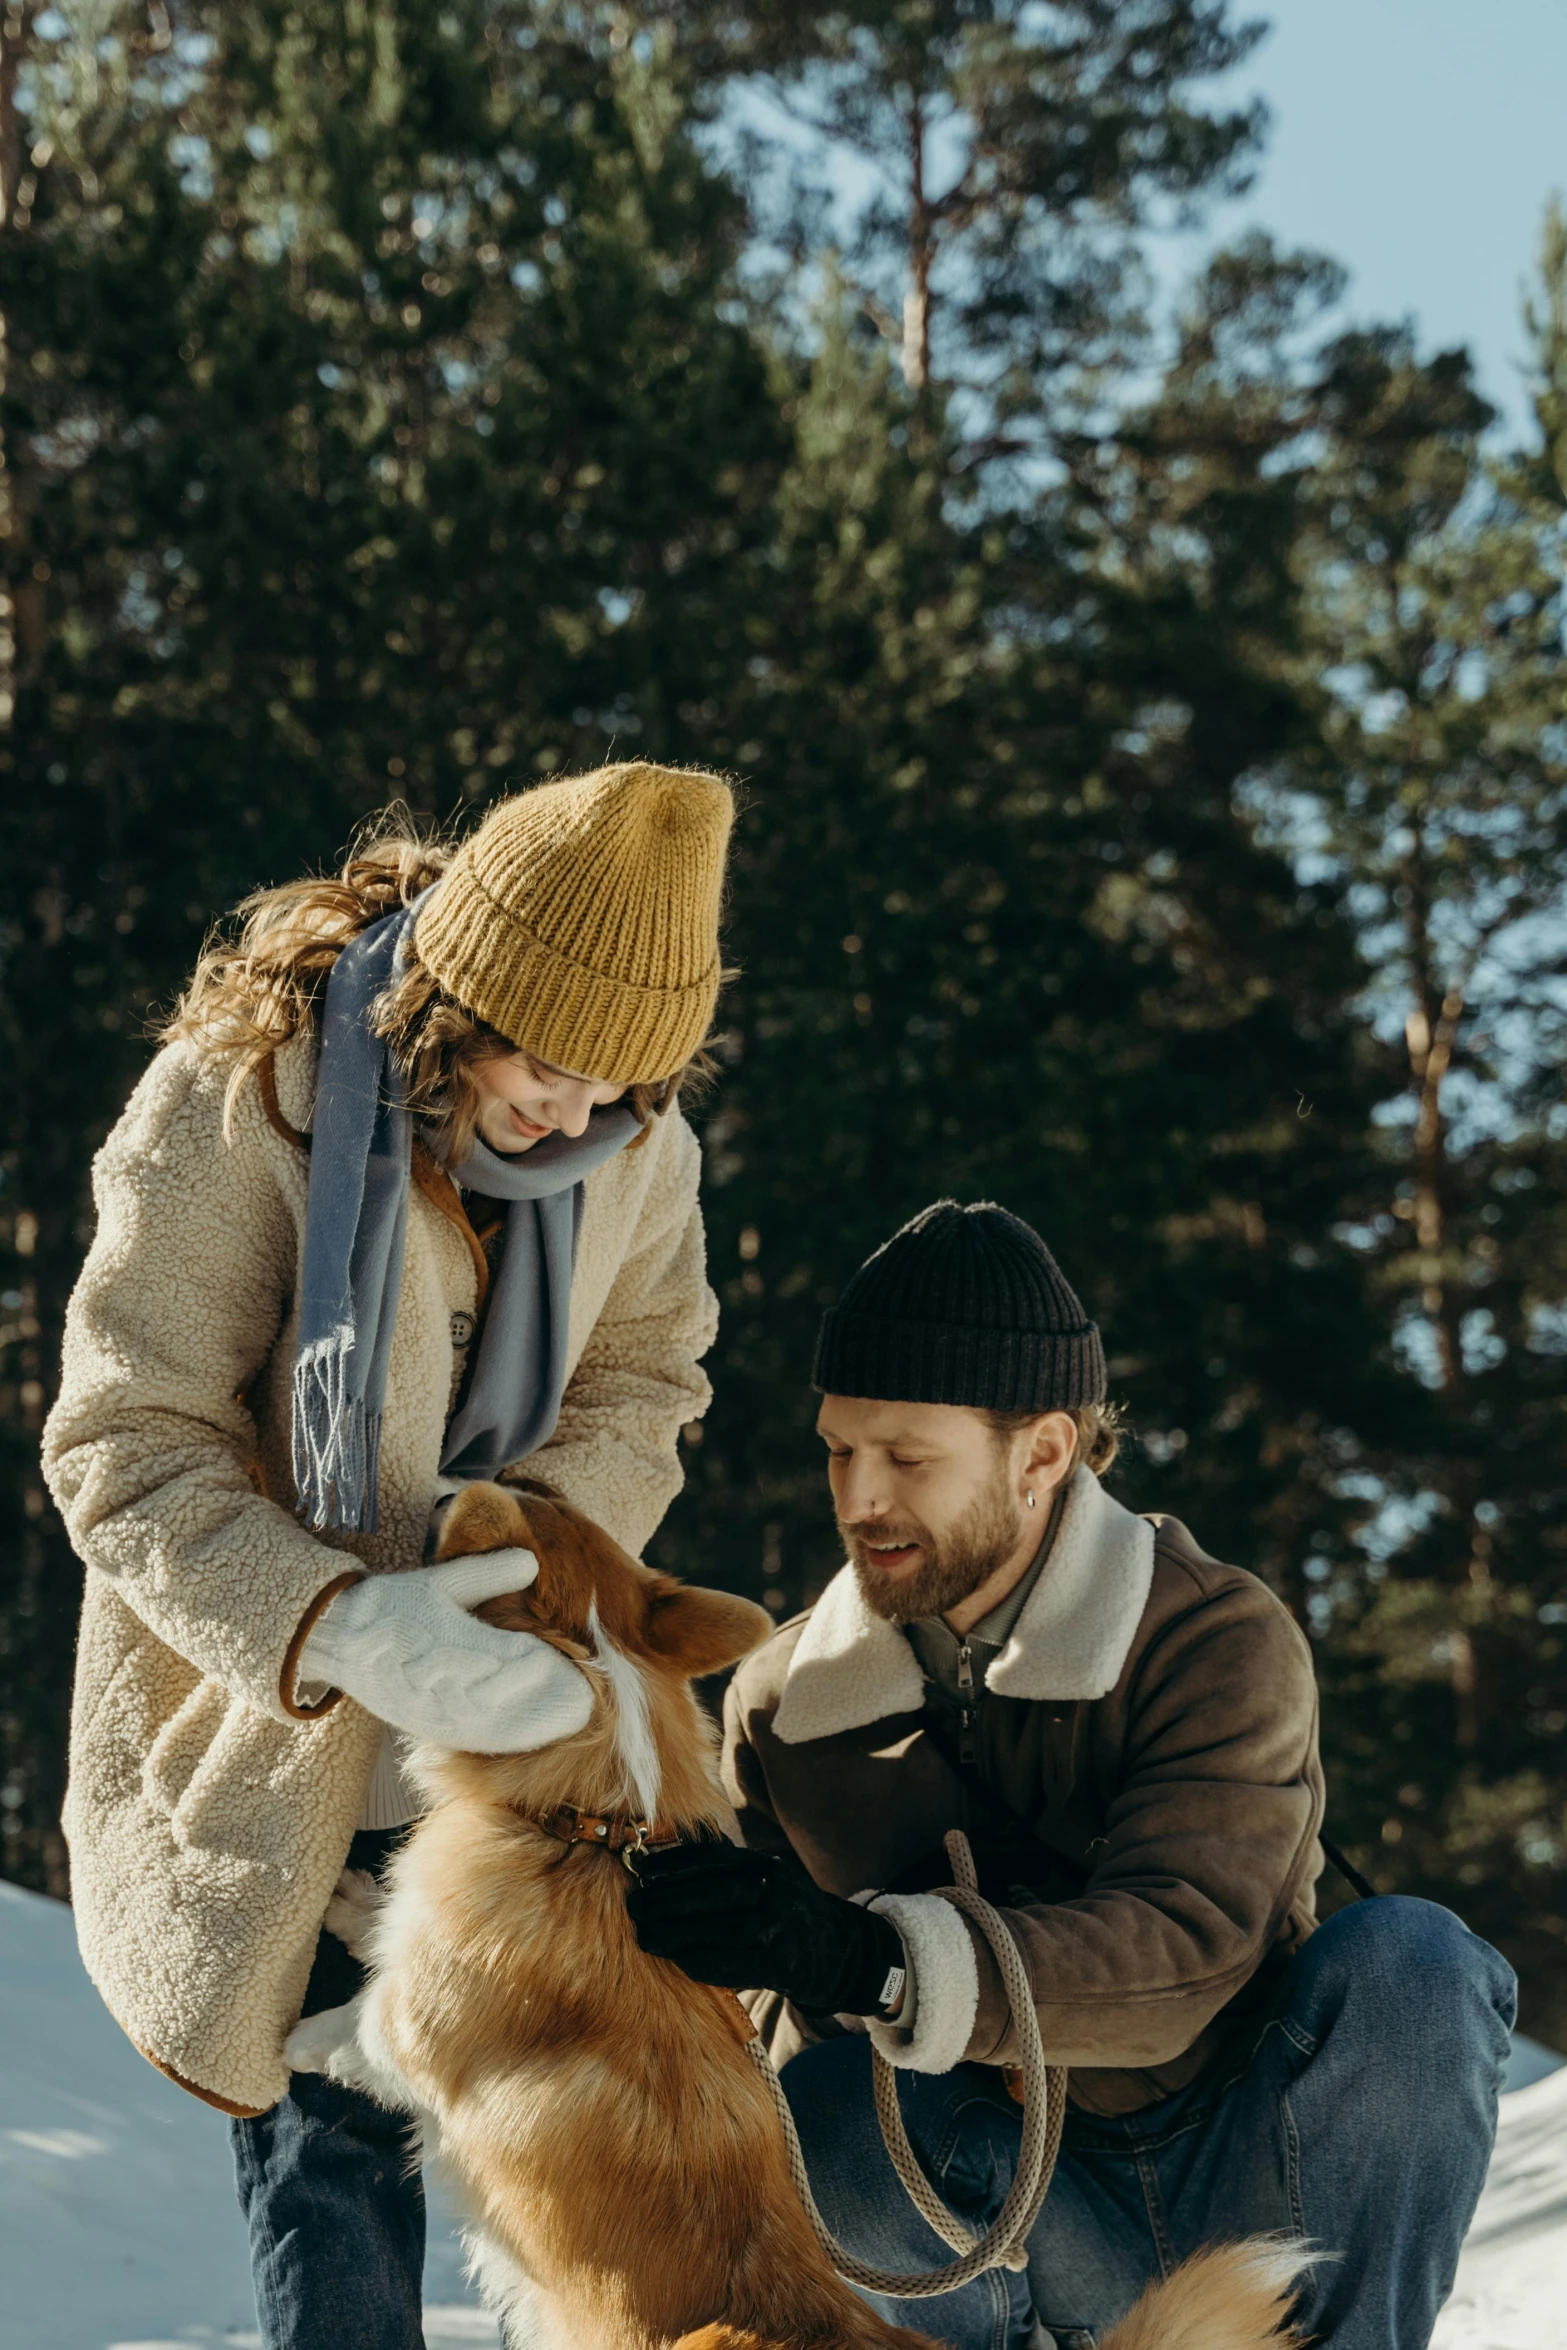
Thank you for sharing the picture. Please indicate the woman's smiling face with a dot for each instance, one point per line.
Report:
(523, 1100)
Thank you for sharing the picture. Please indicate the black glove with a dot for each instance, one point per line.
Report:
(753, 1922)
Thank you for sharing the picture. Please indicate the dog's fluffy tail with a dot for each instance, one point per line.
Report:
(1236, 2297)
(874, 2336)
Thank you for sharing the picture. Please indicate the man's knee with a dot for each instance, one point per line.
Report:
(1412, 1976)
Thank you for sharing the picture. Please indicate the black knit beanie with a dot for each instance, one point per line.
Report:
(965, 1306)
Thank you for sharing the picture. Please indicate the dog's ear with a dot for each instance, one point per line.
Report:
(482, 1517)
(702, 1631)
(519, 1611)
(514, 1483)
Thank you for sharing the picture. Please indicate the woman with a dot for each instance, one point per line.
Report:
(405, 1198)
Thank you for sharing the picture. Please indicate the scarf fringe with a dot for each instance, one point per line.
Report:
(337, 1440)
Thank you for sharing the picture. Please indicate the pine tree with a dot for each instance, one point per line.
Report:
(1439, 796)
(1011, 152)
(1006, 929)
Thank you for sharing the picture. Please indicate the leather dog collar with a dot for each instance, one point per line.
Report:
(617, 1832)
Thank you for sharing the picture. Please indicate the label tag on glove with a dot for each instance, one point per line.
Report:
(890, 1996)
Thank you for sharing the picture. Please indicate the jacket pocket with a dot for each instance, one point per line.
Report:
(181, 1746)
(253, 1792)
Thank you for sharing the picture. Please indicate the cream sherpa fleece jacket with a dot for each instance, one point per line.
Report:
(209, 1811)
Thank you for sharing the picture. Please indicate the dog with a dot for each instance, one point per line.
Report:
(615, 2150)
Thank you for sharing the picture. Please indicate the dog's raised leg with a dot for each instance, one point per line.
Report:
(335, 2043)
(357, 1901)
(329, 2043)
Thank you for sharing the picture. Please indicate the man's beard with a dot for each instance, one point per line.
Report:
(965, 1557)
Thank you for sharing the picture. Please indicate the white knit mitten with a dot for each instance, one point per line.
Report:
(405, 1647)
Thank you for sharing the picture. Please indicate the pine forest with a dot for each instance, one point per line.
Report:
(1149, 711)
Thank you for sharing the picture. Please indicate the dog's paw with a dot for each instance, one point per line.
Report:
(318, 2043)
(353, 1909)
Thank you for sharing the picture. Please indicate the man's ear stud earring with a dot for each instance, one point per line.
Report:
(1031, 1502)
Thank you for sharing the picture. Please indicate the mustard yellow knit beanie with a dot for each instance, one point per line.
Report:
(581, 919)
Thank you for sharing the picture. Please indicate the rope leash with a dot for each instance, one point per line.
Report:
(1004, 2243)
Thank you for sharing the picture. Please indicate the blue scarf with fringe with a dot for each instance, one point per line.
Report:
(356, 1226)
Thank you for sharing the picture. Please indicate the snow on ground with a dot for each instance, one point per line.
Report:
(118, 2224)
(1511, 2292)
(119, 2230)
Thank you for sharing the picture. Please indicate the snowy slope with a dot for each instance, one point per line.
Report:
(119, 2231)
(118, 2224)
(1511, 2292)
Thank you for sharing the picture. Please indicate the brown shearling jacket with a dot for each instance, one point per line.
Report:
(1144, 1803)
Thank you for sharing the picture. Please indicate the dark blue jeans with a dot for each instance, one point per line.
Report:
(332, 2193)
(1363, 2120)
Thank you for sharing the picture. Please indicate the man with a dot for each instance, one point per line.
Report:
(1126, 1729)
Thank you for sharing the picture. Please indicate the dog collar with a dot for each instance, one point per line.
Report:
(618, 1832)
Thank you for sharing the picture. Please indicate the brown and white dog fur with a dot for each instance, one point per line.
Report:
(622, 2169)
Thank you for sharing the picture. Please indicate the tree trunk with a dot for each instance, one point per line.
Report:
(916, 299)
(15, 27)
(1430, 1035)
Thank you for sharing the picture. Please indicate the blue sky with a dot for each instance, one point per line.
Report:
(1417, 141)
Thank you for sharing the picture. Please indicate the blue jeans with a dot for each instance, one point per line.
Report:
(332, 2192)
(1362, 2119)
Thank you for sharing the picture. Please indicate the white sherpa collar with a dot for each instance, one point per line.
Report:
(1071, 1640)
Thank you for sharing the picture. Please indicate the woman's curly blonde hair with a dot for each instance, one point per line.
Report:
(256, 986)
